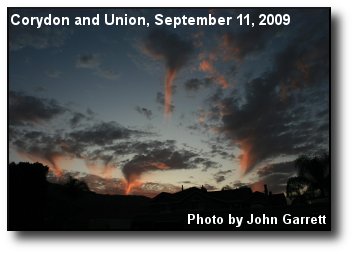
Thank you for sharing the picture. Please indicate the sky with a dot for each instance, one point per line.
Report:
(137, 110)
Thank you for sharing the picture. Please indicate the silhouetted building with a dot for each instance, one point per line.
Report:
(266, 190)
(195, 199)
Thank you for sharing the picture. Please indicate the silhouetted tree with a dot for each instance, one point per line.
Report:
(297, 186)
(75, 186)
(316, 170)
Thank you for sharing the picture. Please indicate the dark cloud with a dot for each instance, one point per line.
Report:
(186, 182)
(77, 118)
(90, 113)
(197, 84)
(144, 111)
(220, 175)
(206, 163)
(88, 61)
(139, 147)
(104, 133)
(161, 101)
(102, 147)
(93, 62)
(25, 109)
(210, 187)
(156, 160)
(169, 47)
(79, 143)
(42, 147)
(219, 178)
(221, 150)
(51, 147)
(252, 40)
(164, 156)
(265, 127)
(278, 115)
(276, 175)
(174, 51)
(160, 98)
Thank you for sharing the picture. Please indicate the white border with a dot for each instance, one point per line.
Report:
(131, 242)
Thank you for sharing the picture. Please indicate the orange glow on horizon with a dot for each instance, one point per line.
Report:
(258, 186)
(133, 181)
(105, 170)
(132, 185)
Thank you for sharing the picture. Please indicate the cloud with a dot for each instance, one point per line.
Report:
(77, 118)
(28, 110)
(206, 163)
(104, 133)
(266, 128)
(97, 184)
(116, 186)
(93, 62)
(174, 51)
(221, 150)
(41, 147)
(185, 182)
(238, 45)
(220, 175)
(139, 147)
(195, 84)
(88, 61)
(207, 65)
(103, 147)
(279, 112)
(210, 187)
(51, 147)
(169, 47)
(160, 99)
(161, 156)
(144, 111)
(276, 175)
(25, 109)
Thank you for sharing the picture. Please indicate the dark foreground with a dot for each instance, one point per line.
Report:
(35, 204)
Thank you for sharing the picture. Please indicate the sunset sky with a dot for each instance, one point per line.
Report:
(137, 110)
